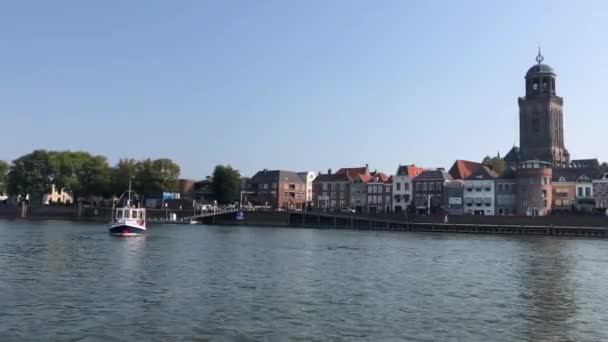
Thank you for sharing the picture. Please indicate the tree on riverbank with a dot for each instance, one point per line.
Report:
(226, 184)
(31, 174)
(120, 175)
(4, 167)
(497, 164)
(80, 173)
(85, 175)
(155, 176)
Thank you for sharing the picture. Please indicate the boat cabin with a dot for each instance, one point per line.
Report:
(130, 213)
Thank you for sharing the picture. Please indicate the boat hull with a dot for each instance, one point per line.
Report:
(127, 230)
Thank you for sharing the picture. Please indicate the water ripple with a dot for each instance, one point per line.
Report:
(73, 282)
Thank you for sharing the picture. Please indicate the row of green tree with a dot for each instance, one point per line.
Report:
(85, 175)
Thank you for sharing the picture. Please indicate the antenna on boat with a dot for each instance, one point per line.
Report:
(129, 199)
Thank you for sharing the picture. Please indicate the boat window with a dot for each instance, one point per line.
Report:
(118, 214)
(141, 215)
(134, 214)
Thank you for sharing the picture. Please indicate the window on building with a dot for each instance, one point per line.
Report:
(387, 199)
(469, 188)
(418, 186)
(500, 190)
(588, 191)
(369, 198)
(342, 186)
(544, 193)
(341, 195)
(325, 186)
(406, 198)
(387, 189)
(406, 186)
(398, 186)
(580, 192)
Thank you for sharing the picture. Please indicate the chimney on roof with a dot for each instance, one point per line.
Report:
(265, 170)
(329, 171)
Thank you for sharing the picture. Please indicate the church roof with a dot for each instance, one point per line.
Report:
(540, 69)
(508, 173)
(513, 155)
(573, 174)
(585, 163)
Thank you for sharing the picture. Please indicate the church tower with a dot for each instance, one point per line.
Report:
(541, 122)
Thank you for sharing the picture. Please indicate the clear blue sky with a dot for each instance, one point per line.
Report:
(299, 85)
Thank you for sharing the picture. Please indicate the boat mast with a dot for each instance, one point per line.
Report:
(129, 199)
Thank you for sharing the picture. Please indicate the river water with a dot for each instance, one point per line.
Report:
(62, 281)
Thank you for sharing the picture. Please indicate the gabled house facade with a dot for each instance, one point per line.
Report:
(428, 190)
(600, 192)
(333, 191)
(584, 198)
(570, 184)
(402, 186)
(379, 193)
(358, 192)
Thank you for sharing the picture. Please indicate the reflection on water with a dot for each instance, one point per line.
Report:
(67, 281)
(552, 302)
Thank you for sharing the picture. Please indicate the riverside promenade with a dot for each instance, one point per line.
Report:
(585, 226)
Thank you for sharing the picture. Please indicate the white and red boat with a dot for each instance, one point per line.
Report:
(129, 220)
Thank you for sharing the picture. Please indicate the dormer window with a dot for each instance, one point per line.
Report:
(562, 179)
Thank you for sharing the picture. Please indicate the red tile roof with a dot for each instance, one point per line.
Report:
(463, 169)
(353, 171)
(409, 170)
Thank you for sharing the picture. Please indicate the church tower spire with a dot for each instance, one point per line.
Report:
(541, 132)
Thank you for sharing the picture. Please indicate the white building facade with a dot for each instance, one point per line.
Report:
(480, 192)
(402, 187)
(308, 177)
